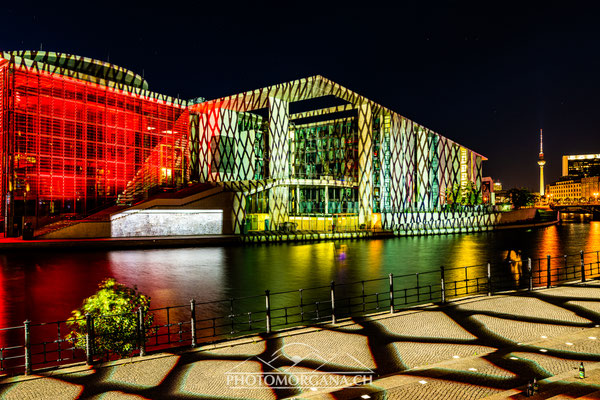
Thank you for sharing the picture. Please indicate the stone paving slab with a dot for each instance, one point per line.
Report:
(592, 291)
(426, 324)
(521, 331)
(418, 354)
(137, 373)
(520, 306)
(589, 305)
(47, 388)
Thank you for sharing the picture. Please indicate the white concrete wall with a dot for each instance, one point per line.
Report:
(514, 216)
(163, 222)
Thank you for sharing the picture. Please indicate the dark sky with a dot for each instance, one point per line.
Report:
(486, 74)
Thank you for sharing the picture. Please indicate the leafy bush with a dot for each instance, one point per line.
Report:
(114, 310)
(520, 198)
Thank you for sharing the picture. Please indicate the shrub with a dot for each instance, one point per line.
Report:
(114, 310)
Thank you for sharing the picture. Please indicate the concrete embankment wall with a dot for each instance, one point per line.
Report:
(515, 216)
(134, 222)
(81, 230)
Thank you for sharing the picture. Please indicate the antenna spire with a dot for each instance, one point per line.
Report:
(541, 144)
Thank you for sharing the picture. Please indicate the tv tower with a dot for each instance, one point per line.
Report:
(541, 162)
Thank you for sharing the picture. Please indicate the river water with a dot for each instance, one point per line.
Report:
(47, 285)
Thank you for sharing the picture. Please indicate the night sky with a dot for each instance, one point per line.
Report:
(488, 75)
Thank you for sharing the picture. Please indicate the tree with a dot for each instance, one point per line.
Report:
(466, 195)
(470, 195)
(114, 311)
(520, 197)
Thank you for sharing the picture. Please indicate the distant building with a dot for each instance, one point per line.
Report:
(487, 190)
(581, 165)
(568, 188)
(497, 186)
(590, 188)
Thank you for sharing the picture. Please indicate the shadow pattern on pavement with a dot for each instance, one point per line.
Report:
(518, 362)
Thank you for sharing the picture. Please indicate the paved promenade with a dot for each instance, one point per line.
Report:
(480, 347)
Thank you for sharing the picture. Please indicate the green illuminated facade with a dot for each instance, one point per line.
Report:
(288, 157)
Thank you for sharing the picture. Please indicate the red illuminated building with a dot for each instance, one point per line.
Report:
(79, 134)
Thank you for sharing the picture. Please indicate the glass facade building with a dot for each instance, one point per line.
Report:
(581, 165)
(290, 158)
(79, 135)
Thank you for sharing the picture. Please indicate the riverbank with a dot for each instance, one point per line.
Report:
(478, 347)
(527, 225)
(17, 244)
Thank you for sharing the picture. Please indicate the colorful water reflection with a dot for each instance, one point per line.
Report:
(46, 286)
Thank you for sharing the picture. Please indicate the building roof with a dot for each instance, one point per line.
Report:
(83, 68)
(86, 69)
(298, 90)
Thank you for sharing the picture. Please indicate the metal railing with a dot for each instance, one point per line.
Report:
(45, 345)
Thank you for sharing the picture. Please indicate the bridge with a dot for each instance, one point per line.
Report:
(579, 208)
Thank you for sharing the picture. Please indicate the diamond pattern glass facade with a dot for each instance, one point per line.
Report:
(352, 159)
(79, 135)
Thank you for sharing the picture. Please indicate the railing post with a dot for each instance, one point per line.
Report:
(442, 284)
(333, 302)
(418, 288)
(489, 278)
(301, 306)
(193, 321)
(362, 291)
(268, 310)
(530, 271)
(89, 339)
(582, 266)
(142, 330)
(27, 348)
(391, 293)
(466, 281)
(548, 275)
(566, 269)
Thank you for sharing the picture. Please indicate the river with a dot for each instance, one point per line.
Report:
(47, 285)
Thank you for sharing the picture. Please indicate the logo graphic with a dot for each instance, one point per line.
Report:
(299, 366)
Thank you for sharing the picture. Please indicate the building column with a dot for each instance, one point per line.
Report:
(238, 212)
(365, 164)
(278, 153)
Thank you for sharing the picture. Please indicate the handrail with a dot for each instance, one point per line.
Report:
(46, 344)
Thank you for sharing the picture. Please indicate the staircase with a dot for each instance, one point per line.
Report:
(154, 172)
